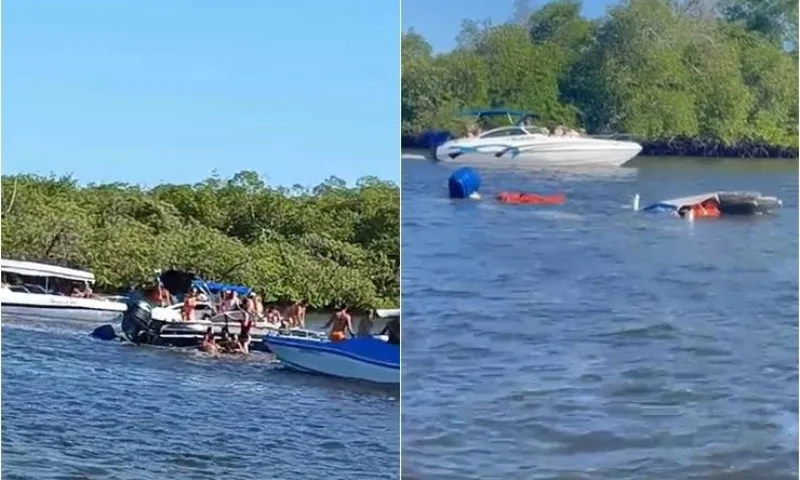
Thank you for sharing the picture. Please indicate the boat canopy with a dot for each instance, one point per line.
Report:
(215, 287)
(179, 282)
(43, 270)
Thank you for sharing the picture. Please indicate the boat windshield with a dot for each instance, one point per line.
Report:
(505, 132)
(18, 282)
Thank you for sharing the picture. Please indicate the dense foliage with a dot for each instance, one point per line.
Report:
(721, 70)
(328, 244)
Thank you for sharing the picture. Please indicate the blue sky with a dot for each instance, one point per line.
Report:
(151, 91)
(439, 21)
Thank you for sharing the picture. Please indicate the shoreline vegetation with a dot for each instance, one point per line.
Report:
(330, 244)
(681, 77)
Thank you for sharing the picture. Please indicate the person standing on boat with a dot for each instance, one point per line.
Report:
(244, 331)
(259, 307)
(230, 302)
(153, 295)
(297, 314)
(164, 297)
(341, 325)
(189, 304)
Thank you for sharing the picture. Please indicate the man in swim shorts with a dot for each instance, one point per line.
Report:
(340, 325)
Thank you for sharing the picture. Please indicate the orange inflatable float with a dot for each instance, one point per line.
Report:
(520, 198)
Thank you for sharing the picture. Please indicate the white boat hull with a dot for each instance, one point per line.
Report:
(316, 361)
(69, 314)
(546, 152)
(57, 307)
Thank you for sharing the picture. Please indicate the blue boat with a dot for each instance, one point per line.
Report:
(371, 359)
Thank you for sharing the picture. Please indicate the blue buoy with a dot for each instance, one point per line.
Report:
(463, 183)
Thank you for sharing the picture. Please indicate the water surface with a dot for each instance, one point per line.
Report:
(589, 342)
(75, 407)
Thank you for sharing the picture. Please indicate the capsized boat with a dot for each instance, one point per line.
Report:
(144, 323)
(717, 204)
(368, 358)
(526, 145)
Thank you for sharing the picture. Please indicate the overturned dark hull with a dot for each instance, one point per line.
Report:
(140, 327)
(719, 204)
(747, 204)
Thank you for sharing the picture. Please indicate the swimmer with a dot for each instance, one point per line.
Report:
(208, 344)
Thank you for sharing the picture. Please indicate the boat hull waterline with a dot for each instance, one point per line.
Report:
(329, 358)
(58, 307)
(557, 152)
(60, 313)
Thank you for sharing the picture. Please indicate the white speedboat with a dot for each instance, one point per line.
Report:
(41, 290)
(525, 146)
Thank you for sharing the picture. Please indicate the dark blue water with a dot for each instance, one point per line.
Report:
(73, 407)
(589, 342)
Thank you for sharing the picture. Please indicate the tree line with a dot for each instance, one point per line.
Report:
(328, 244)
(717, 71)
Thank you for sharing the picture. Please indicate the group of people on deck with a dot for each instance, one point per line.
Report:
(251, 312)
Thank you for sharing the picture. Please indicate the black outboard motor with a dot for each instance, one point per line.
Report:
(137, 322)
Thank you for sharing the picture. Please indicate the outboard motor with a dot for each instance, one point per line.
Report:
(137, 321)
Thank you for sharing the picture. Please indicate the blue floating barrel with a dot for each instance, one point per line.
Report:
(463, 183)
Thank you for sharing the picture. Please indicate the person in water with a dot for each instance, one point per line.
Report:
(340, 325)
(208, 344)
(234, 345)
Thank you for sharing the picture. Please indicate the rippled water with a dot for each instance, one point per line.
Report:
(74, 407)
(589, 342)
